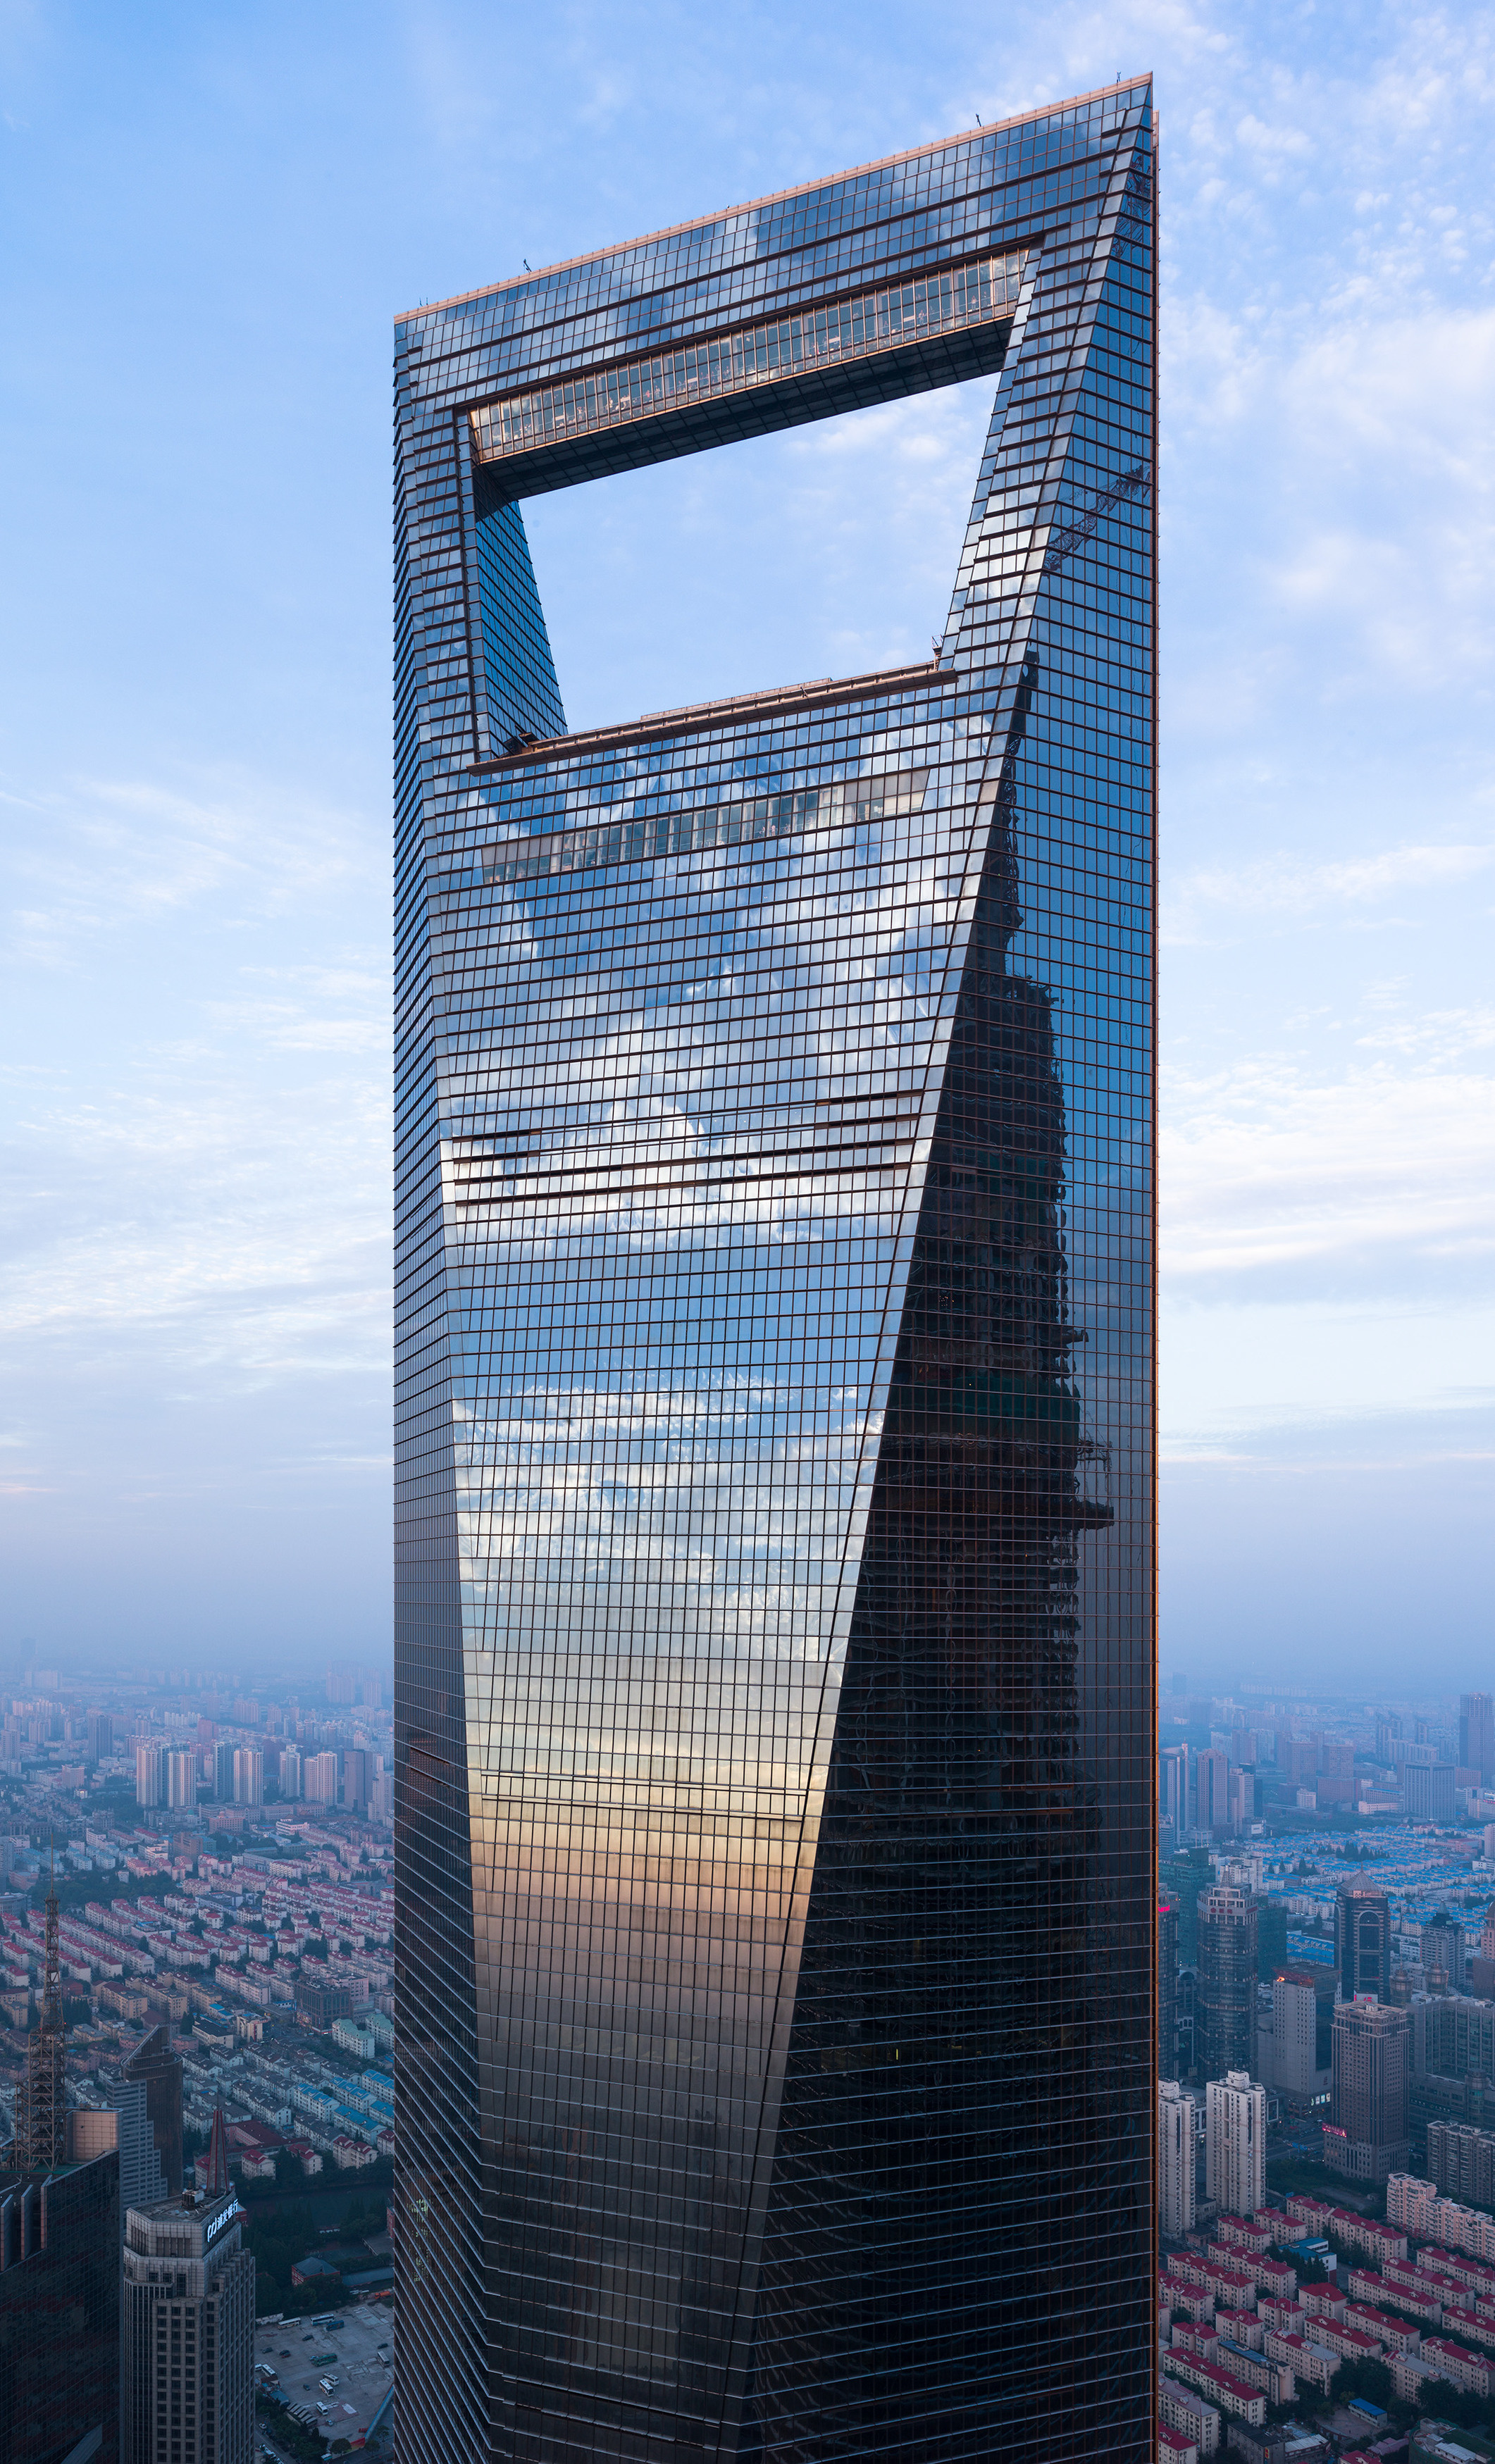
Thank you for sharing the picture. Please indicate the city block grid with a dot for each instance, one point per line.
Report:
(196, 1992)
(1326, 2125)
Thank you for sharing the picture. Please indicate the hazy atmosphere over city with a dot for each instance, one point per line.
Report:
(220, 211)
(746, 1699)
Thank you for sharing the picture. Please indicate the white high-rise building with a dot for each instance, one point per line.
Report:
(249, 1775)
(290, 1772)
(1178, 2132)
(187, 2334)
(181, 1779)
(1295, 2071)
(151, 1772)
(1235, 2143)
(319, 1778)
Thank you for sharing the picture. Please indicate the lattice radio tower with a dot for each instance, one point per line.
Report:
(42, 2138)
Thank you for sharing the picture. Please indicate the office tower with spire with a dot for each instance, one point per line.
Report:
(775, 1805)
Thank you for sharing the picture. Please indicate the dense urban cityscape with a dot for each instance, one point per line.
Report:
(196, 2065)
(196, 2068)
(1325, 2148)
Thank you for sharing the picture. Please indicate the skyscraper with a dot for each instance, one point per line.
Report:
(249, 1775)
(59, 2313)
(1235, 2143)
(1362, 1940)
(1174, 1790)
(151, 1772)
(1477, 1734)
(159, 2070)
(776, 1793)
(187, 2334)
(1302, 2020)
(1226, 2000)
(1212, 1790)
(1368, 2138)
(1167, 1989)
(1177, 2159)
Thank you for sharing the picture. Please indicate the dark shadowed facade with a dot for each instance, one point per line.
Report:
(775, 1751)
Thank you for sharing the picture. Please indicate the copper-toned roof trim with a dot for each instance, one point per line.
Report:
(774, 197)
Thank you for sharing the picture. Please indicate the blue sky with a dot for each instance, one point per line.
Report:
(213, 215)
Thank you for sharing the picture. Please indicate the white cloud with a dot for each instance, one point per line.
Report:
(1281, 885)
(1267, 1173)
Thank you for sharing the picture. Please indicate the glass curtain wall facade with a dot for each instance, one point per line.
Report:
(775, 1782)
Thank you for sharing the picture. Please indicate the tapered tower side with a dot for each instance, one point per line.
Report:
(776, 1472)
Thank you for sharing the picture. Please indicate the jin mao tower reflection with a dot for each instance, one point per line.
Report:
(775, 1803)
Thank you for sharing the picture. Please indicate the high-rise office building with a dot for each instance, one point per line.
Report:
(1477, 1734)
(1167, 1989)
(1177, 2136)
(1225, 2005)
(1235, 2143)
(223, 1772)
(1362, 1940)
(1371, 2058)
(159, 2070)
(358, 1771)
(1428, 1792)
(187, 2334)
(774, 1693)
(59, 2313)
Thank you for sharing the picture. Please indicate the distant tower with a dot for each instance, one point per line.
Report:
(187, 2345)
(218, 2157)
(1477, 1734)
(1167, 1989)
(1235, 2147)
(160, 2070)
(1227, 1980)
(1177, 2131)
(41, 2133)
(1362, 1940)
(1372, 2040)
